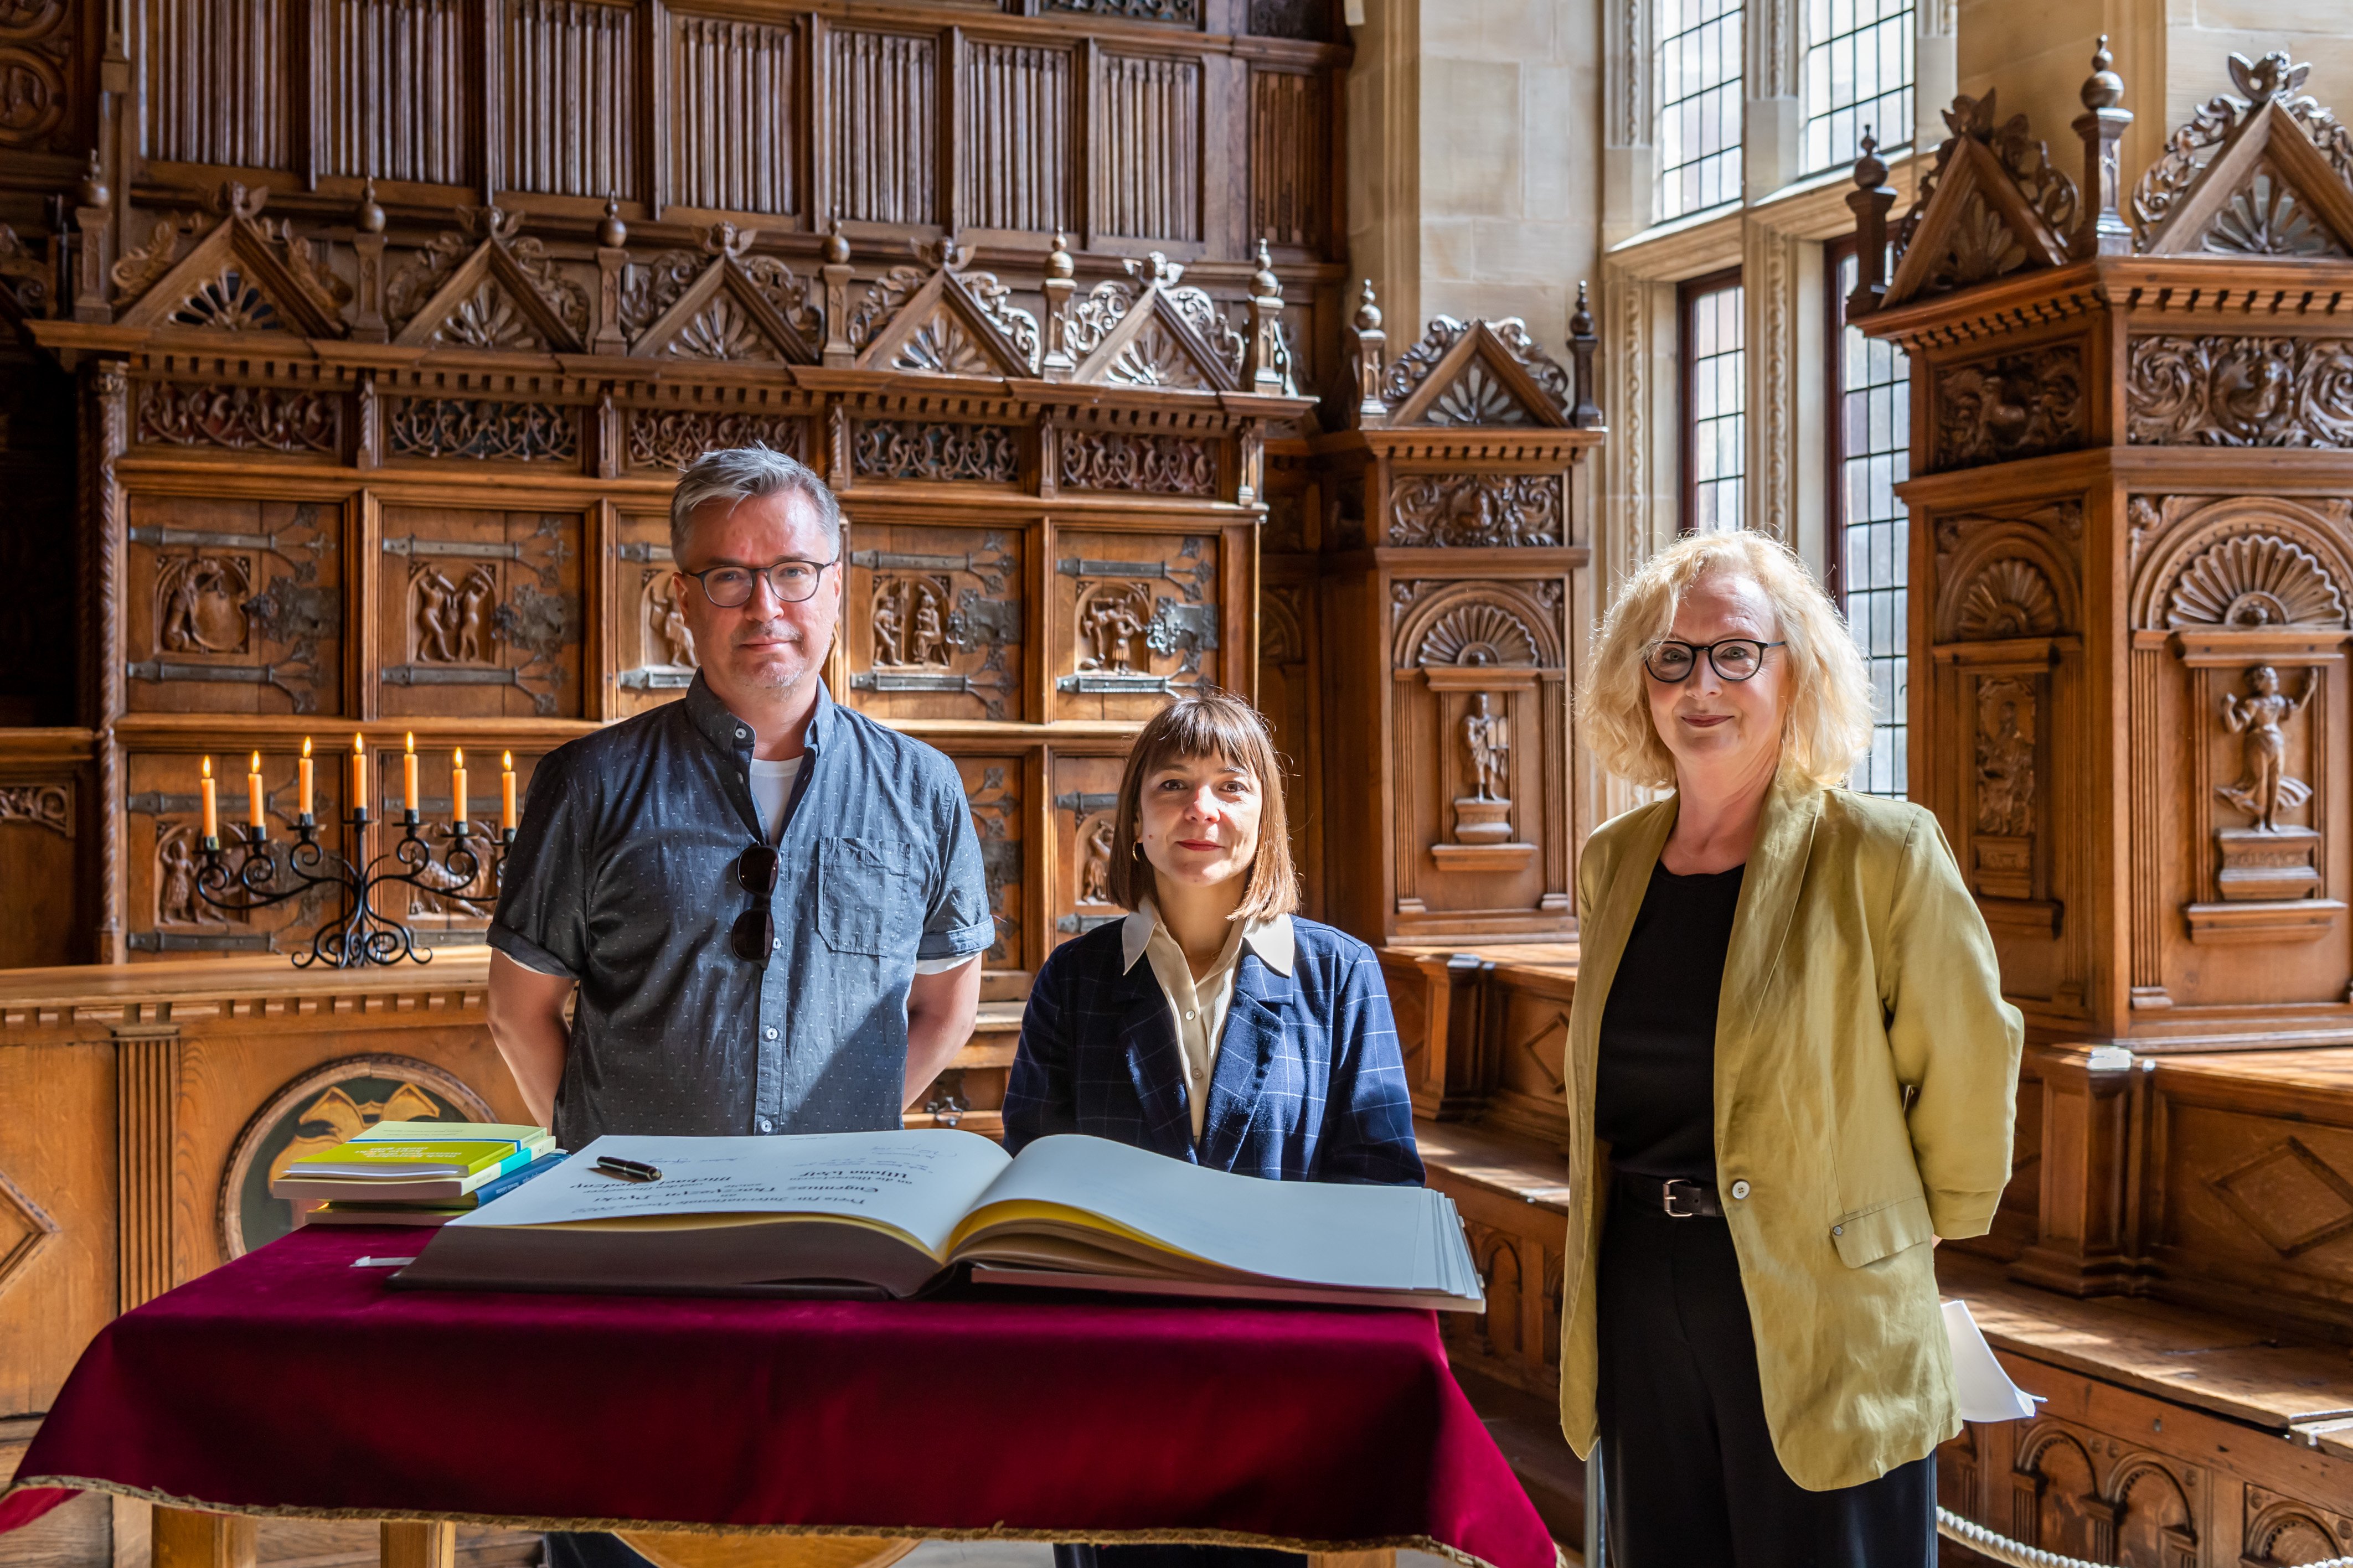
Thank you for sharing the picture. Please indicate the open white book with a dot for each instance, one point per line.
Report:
(889, 1213)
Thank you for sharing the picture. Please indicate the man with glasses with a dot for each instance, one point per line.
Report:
(771, 908)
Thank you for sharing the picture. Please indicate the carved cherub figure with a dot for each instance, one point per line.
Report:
(931, 634)
(890, 625)
(1094, 863)
(473, 615)
(677, 636)
(2264, 788)
(435, 601)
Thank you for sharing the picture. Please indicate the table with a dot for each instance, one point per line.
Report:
(974, 1416)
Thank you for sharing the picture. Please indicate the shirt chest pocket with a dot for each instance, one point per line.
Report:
(866, 896)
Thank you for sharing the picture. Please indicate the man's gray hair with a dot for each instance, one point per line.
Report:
(739, 473)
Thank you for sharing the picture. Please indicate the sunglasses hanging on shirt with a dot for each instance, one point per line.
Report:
(754, 932)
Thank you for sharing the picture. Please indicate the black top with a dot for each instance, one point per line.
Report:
(1655, 1101)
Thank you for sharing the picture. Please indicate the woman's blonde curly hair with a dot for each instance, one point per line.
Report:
(1827, 726)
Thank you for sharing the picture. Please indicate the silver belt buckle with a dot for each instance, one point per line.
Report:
(1680, 1191)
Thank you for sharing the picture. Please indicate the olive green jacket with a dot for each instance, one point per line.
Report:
(1866, 1070)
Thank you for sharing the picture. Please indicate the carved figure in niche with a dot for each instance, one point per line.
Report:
(1489, 736)
(911, 621)
(200, 604)
(453, 618)
(1094, 860)
(2264, 788)
(1113, 618)
(670, 641)
(177, 868)
(2006, 759)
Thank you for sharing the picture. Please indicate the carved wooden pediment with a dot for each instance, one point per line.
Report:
(1163, 335)
(500, 293)
(1991, 206)
(723, 306)
(242, 277)
(952, 322)
(2266, 173)
(1482, 372)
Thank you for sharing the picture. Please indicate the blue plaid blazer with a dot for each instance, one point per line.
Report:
(1308, 1085)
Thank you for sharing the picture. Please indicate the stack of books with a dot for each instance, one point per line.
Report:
(416, 1173)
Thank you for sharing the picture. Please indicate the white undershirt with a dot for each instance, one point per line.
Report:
(772, 788)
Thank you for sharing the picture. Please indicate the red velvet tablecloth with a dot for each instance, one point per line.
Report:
(291, 1381)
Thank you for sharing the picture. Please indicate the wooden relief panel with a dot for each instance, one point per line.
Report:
(2256, 1203)
(2011, 405)
(667, 439)
(2250, 595)
(248, 420)
(479, 614)
(735, 114)
(1017, 139)
(1135, 620)
(449, 907)
(1531, 1045)
(233, 606)
(1290, 695)
(993, 785)
(932, 627)
(1148, 162)
(1479, 740)
(2225, 390)
(56, 1218)
(882, 131)
(1086, 807)
(570, 97)
(385, 106)
(932, 451)
(162, 852)
(44, 66)
(40, 829)
(1291, 157)
(651, 641)
(1516, 1245)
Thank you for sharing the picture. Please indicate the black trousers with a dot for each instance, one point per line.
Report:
(1688, 1466)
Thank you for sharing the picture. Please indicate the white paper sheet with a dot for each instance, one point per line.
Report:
(1986, 1392)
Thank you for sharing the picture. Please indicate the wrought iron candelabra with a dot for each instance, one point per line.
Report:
(250, 875)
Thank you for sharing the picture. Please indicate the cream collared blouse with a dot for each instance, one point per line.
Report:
(1198, 1007)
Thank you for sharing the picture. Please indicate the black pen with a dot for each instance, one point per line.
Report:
(629, 1170)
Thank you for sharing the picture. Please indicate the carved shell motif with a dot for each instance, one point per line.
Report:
(2255, 580)
(1478, 634)
(2009, 598)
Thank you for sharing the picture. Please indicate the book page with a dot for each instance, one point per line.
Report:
(920, 1183)
(1361, 1238)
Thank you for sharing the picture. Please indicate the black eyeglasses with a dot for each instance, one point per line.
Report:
(754, 932)
(1734, 659)
(792, 580)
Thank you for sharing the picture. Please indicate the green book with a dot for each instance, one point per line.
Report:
(410, 1161)
(458, 1132)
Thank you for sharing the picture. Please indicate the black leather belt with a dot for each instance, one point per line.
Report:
(1676, 1197)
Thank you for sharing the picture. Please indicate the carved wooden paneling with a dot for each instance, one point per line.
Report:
(933, 625)
(570, 97)
(1290, 636)
(482, 427)
(479, 613)
(735, 101)
(653, 649)
(239, 418)
(882, 126)
(57, 1216)
(1016, 138)
(1136, 617)
(236, 606)
(938, 452)
(1147, 155)
(1291, 157)
(2214, 390)
(162, 822)
(1183, 13)
(667, 441)
(993, 785)
(42, 67)
(393, 100)
(1086, 806)
(2008, 406)
(41, 829)
(218, 91)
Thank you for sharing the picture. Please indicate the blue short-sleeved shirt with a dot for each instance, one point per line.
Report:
(623, 877)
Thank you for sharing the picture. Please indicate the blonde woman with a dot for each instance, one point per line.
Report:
(1790, 1072)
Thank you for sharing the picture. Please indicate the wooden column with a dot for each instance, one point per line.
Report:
(185, 1538)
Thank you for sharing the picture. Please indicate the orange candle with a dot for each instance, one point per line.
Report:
(253, 792)
(458, 785)
(408, 777)
(359, 775)
(302, 770)
(212, 803)
(506, 794)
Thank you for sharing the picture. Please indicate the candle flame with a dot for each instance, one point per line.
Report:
(357, 746)
(255, 766)
(509, 762)
(208, 767)
(458, 758)
(412, 740)
(306, 745)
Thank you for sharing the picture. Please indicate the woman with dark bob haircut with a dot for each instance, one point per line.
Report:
(1212, 1025)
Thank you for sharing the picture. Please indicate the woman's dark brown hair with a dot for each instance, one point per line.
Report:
(1209, 723)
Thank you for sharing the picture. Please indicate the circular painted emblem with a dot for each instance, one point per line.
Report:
(317, 1111)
